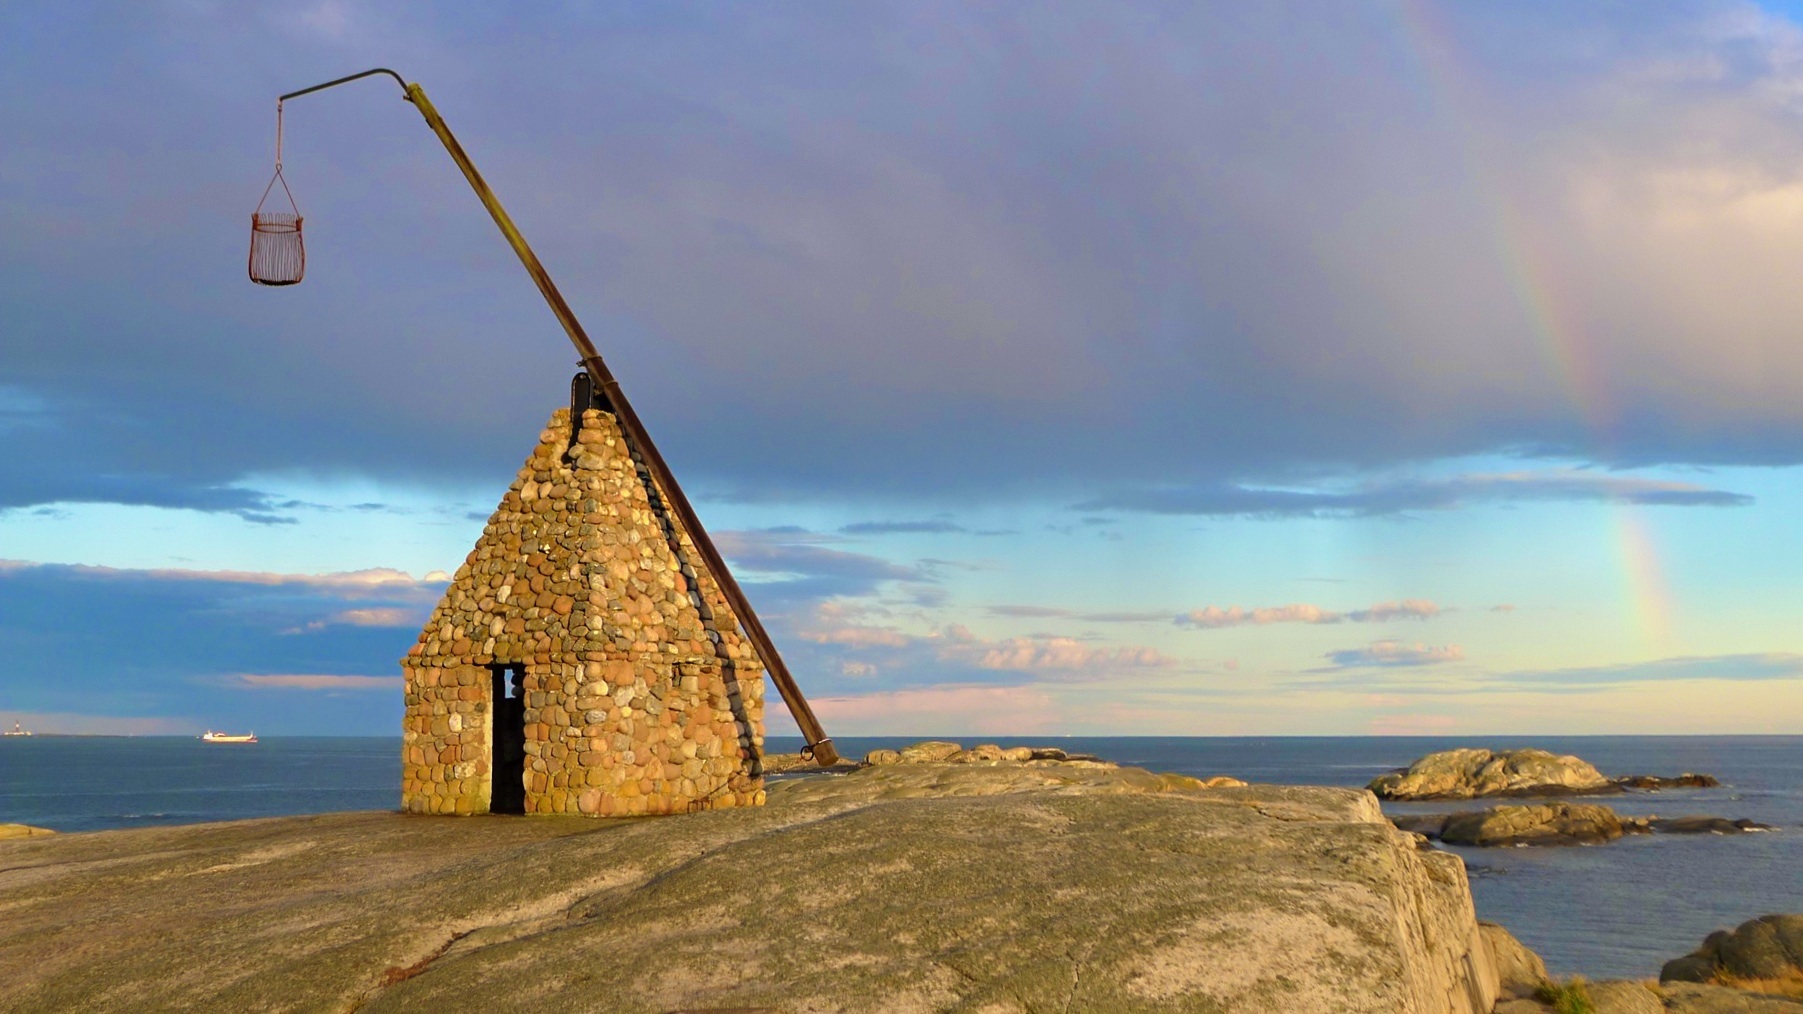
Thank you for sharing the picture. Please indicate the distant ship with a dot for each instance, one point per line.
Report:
(226, 737)
(16, 731)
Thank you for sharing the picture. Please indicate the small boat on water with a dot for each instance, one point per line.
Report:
(17, 731)
(226, 737)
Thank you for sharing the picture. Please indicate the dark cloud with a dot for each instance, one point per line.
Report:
(147, 491)
(801, 571)
(1026, 611)
(146, 643)
(902, 528)
(895, 251)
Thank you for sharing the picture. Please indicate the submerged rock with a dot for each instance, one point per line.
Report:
(1467, 773)
(1550, 824)
(1556, 824)
(1706, 825)
(1687, 780)
(929, 886)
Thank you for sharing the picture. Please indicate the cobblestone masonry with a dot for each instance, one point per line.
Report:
(641, 693)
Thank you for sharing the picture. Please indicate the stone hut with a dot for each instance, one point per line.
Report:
(582, 660)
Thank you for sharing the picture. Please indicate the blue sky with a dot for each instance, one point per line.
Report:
(1404, 366)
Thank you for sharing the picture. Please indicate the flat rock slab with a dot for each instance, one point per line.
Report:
(908, 888)
(1691, 998)
(1557, 824)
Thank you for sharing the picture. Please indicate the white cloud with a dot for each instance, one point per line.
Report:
(347, 583)
(308, 681)
(1407, 609)
(1395, 653)
(945, 710)
(1214, 617)
(1028, 654)
(835, 623)
(382, 616)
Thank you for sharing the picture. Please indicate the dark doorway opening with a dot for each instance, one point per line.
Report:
(507, 784)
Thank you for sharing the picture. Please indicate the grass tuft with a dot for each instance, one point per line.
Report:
(1571, 998)
(1790, 985)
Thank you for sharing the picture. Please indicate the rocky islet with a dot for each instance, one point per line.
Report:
(1470, 773)
(1557, 823)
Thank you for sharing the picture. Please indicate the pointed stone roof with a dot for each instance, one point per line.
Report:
(582, 561)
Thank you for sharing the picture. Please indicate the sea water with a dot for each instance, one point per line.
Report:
(1608, 911)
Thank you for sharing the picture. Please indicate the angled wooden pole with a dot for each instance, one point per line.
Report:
(818, 744)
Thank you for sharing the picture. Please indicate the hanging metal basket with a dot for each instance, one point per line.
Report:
(278, 255)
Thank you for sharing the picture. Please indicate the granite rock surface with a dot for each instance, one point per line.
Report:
(907, 887)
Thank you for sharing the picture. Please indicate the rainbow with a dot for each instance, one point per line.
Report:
(1547, 310)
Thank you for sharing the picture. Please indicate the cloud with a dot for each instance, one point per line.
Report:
(918, 306)
(163, 643)
(1399, 496)
(1064, 654)
(385, 616)
(800, 569)
(76, 723)
(792, 551)
(857, 636)
(145, 491)
(321, 682)
(348, 583)
(1034, 612)
(946, 709)
(1407, 609)
(1414, 725)
(1385, 654)
(902, 528)
(1755, 667)
(839, 625)
(1215, 617)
